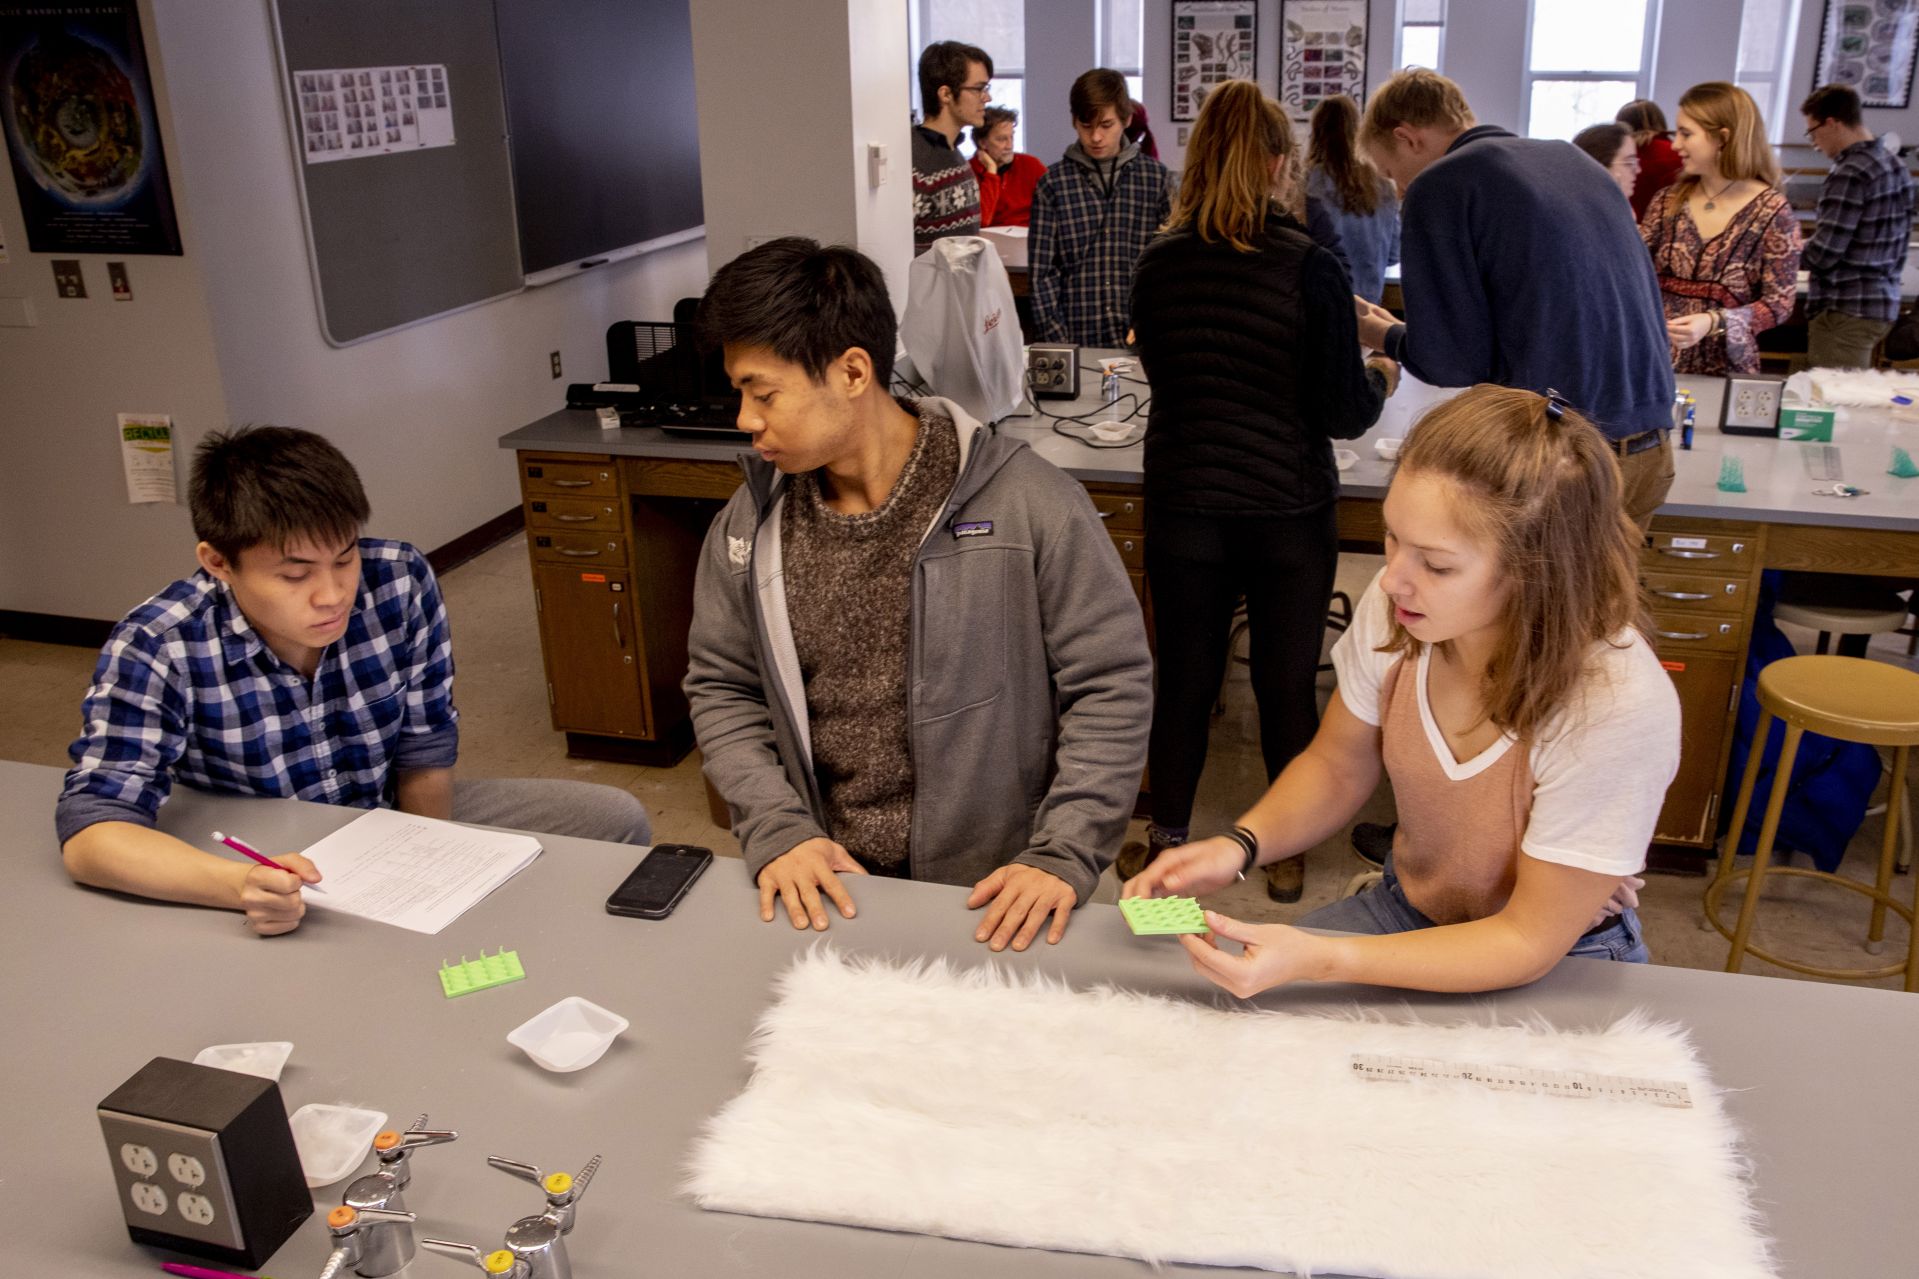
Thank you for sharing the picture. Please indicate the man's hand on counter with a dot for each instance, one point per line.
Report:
(800, 875)
(1022, 898)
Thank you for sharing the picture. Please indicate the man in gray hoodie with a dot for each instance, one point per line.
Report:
(914, 651)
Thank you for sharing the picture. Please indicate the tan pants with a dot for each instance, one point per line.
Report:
(1835, 340)
(1644, 480)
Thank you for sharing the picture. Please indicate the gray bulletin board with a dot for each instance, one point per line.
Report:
(394, 239)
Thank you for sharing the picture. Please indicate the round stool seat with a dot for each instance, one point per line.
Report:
(1845, 697)
(1844, 619)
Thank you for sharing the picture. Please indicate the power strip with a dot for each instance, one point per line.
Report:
(1052, 370)
(1544, 1083)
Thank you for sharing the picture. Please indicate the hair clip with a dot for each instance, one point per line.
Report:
(1556, 405)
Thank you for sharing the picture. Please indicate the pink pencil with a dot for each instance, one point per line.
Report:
(240, 847)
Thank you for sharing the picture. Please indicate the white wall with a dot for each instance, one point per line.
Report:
(1698, 41)
(1904, 121)
(789, 95)
(230, 334)
(1061, 44)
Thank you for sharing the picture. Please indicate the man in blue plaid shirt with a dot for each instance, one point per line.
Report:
(1093, 214)
(301, 661)
(1858, 251)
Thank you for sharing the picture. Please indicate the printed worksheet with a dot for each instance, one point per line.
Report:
(349, 113)
(414, 872)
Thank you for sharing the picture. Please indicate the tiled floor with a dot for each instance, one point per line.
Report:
(505, 732)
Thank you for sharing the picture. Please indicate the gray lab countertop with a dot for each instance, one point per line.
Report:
(1820, 1077)
(1779, 489)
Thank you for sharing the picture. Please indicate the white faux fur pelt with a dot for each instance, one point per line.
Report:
(1018, 1111)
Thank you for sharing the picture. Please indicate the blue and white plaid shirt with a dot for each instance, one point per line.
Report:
(186, 690)
(1858, 250)
(1090, 222)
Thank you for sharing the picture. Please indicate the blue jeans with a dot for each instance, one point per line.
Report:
(1383, 908)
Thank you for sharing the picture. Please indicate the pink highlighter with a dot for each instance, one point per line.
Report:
(239, 846)
(201, 1272)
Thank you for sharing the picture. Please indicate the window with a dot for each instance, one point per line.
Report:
(1422, 31)
(997, 26)
(1584, 62)
(1765, 63)
(1120, 38)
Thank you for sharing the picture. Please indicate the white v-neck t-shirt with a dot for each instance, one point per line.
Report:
(1600, 766)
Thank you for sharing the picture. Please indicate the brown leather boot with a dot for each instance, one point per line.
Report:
(1286, 880)
(1132, 859)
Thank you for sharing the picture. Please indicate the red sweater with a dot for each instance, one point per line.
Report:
(1006, 197)
(1658, 169)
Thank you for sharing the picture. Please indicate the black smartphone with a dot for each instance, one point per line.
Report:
(659, 881)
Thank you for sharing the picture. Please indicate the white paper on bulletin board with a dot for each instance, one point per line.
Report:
(1322, 52)
(351, 113)
(146, 453)
(1213, 41)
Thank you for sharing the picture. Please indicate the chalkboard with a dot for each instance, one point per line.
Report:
(397, 238)
(604, 136)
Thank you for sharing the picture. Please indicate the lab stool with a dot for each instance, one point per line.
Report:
(1853, 608)
(1848, 698)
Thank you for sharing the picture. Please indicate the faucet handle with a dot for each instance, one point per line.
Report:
(500, 1263)
(345, 1220)
(562, 1190)
(515, 1168)
(391, 1145)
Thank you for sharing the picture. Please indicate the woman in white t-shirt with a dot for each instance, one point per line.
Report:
(1497, 670)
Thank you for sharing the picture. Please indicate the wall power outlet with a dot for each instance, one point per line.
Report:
(1752, 405)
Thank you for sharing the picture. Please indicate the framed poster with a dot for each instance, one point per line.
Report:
(1869, 45)
(1213, 41)
(1322, 52)
(82, 136)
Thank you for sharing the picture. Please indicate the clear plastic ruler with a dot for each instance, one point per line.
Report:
(1822, 461)
(1545, 1083)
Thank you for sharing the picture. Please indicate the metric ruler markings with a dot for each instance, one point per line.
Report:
(1545, 1083)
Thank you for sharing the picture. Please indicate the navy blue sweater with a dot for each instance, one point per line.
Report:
(1522, 266)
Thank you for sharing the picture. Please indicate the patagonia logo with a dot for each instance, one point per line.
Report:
(973, 528)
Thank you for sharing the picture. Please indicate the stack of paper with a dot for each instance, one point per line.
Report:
(414, 872)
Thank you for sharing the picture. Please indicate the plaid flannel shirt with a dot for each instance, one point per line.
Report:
(1858, 250)
(186, 690)
(1084, 241)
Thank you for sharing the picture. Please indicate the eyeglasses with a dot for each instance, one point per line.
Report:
(1815, 128)
(984, 88)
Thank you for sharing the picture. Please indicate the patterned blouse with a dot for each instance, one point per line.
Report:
(1750, 271)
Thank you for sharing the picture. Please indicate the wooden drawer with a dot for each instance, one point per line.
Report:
(1689, 550)
(1696, 592)
(571, 547)
(572, 477)
(1120, 511)
(1131, 548)
(670, 477)
(574, 513)
(1675, 632)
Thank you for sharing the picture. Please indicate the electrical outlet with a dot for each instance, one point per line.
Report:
(148, 1198)
(186, 1170)
(139, 1159)
(1052, 370)
(196, 1208)
(1752, 405)
(555, 358)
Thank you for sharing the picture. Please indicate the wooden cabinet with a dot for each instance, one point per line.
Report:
(590, 639)
(1700, 577)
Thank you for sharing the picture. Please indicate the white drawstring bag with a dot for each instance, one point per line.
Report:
(961, 330)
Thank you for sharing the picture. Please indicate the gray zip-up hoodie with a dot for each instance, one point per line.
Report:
(1030, 684)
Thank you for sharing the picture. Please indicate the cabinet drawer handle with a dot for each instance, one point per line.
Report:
(576, 519)
(1688, 555)
(1107, 515)
(571, 484)
(1126, 545)
(1683, 595)
(619, 636)
(587, 555)
(1680, 635)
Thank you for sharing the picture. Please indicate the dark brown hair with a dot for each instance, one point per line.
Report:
(1644, 117)
(272, 486)
(943, 65)
(1833, 102)
(1544, 491)
(1097, 90)
(1602, 141)
(1227, 187)
(1334, 151)
(993, 119)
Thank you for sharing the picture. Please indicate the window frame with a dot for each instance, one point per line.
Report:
(916, 41)
(1399, 37)
(1640, 76)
